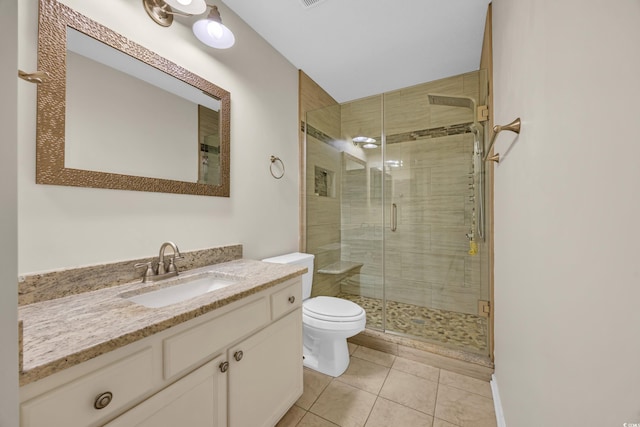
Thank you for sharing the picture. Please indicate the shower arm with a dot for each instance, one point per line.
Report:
(514, 126)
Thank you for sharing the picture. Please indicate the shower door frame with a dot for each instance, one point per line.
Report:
(391, 209)
(384, 213)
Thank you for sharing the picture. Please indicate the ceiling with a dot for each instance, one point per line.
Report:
(358, 48)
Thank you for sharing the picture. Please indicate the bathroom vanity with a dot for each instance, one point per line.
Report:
(232, 356)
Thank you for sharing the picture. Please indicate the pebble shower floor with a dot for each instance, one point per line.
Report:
(462, 331)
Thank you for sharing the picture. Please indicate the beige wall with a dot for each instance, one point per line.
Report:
(567, 276)
(134, 110)
(8, 214)
(63, 227)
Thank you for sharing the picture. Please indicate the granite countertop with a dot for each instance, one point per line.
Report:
(63, 332)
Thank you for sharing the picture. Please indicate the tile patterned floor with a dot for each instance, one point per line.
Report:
(382, 390)
(461, 331)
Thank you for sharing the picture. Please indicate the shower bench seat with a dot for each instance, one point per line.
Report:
(340, 267)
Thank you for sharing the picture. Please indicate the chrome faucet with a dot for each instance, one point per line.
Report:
(163, 269)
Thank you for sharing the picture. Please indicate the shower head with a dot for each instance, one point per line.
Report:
(452, 101)
(457, 101)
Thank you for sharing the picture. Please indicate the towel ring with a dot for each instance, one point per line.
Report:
(275, 159)
(514, 126)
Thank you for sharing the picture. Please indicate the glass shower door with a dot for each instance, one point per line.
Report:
(432, 283)
(362, 207)
(343, 211)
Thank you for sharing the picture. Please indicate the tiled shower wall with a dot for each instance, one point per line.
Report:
(426, 259)
(323, 212)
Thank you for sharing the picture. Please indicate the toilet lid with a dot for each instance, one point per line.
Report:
(333, 309)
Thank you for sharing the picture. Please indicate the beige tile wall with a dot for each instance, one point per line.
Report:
(323, 213)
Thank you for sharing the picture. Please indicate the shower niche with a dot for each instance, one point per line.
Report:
(324, 182)
(405, 210)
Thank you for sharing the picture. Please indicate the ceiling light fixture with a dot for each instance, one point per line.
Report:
(162, 11)
(393, 163)
(209, 30)
(367, 142)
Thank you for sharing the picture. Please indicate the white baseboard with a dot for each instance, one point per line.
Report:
(496, 402)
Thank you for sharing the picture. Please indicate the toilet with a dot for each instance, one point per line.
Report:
(327, 322)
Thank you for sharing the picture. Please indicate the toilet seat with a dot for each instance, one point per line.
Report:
(332, 309)
(333, 314)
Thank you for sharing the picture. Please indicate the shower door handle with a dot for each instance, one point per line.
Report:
(394, 217)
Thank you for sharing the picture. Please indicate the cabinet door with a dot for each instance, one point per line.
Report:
(196, 400)
(265, 376)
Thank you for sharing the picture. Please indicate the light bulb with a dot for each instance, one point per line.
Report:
(189, 7)
(211, 32)
(366, 139)
(215, 29)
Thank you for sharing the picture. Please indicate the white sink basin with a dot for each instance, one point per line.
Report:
(183, 289)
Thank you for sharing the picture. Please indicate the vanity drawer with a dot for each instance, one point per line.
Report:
(189, 348)
(286, 299)
(76, 403)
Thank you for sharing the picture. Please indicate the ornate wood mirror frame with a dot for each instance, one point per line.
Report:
(54, 18)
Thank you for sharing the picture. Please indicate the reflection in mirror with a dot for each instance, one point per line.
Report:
(209, 141)
(119, 116)
(146, 122)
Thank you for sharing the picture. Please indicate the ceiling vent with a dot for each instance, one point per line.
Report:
(310, 3)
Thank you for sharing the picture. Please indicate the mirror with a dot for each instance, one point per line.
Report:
(116, 115)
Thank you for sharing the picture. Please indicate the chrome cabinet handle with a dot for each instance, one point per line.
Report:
(224, 366)
(238, 355)
(292, 299)
(394, 217)
(102, 400)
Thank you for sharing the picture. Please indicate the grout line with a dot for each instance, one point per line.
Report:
(468, 391)
(465, 389)
(301, 418)
(407, 406)
(329, 421)
(385, 381)
(435, 404)
(371, 410)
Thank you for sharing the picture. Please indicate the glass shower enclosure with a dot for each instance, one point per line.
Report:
(396, 210)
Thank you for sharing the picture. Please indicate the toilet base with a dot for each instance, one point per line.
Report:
(328, 355)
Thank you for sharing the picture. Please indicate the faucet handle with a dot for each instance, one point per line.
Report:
(172, 263)
(149, 270)
(172, 266)
(163, 268)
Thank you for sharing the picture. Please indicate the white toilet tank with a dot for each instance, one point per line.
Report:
(298, 258)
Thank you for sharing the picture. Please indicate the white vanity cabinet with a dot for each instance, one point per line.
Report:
(239, 366)
(265, 373)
